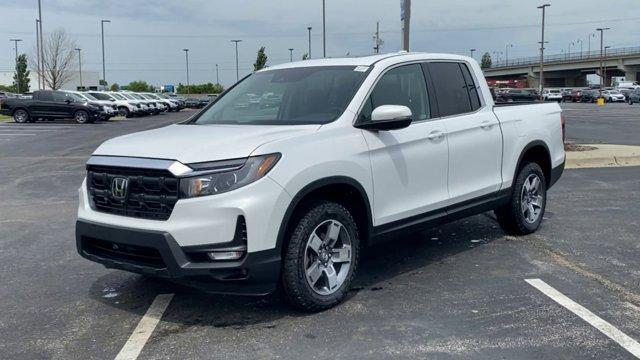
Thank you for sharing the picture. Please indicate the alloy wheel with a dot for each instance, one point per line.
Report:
(531, 199)
(327, 257)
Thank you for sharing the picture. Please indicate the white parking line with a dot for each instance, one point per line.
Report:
(143, 331)
(612, 332)
(15, 134)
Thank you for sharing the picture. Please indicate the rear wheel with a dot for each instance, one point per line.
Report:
(81, 117)
(321, 257)
(124, 111)
(525, 210)
(21, 116)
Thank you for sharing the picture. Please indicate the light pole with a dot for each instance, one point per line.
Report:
(543, 7)
(324, 34)
(80, 66)
(290, 54)
(41, 49)
(217, 75)
(309, 52)
(605, 65)
(237, 69)
(104, 76)
(186, 54)
(471, 52)
(581, 42)
(602, 30)
(38, 53)
(15, 43)
(506, 54)
(591, 35)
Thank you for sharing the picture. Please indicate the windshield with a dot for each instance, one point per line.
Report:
(136, 96)
(76, 97)
(118, 96)
(102, 96)
(307, 95)
(127, 96)
(88, 96)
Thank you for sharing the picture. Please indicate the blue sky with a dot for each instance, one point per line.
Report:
(145, 38)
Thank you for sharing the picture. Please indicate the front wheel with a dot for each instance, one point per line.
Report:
(21, 116)
(321, 257)
(81, 117)
(525, 210)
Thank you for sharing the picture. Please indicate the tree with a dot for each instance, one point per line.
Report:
(305, 56)
(58, 59)
(6, 88)
(486, 61)
(114, 87)
(207, 88)
(261, 60)
(137, 86)
(21, 77)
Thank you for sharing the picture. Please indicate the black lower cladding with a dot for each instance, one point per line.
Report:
(157, 254)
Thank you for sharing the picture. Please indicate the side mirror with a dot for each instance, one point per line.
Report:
(67, 101)
(388, 117)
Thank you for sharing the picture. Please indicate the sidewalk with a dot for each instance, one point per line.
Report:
(603, 156)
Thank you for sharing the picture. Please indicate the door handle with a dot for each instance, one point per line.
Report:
(486, 124)
(435, 135)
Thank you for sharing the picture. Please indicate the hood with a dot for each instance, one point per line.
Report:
(199, 143)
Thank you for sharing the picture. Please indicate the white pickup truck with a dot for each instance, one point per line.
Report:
(286, 176)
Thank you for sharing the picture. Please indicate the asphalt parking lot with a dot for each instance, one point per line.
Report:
(463, 290)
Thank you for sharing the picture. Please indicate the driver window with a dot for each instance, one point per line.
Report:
(404, 85)
(59, 96)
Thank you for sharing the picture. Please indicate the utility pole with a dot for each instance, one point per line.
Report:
(602, 30)
(581, 43)
(309, 29)
(217, 75)
(15, 43)
(506, 54)
(41, 49)
(38, 53)
(405, 17)
(80, 66)
(290, 54)
(324, 34)
(589, 43)
(569, 52)
(471, 51)
(376, 39)
(605, 66)
(543, 7)
(237, 68)
(186, 53)
(104, 76)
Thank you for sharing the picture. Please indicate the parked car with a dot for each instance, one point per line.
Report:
(589, 95)
(110, 110)
(628, 85)
(520, 95)
(144, 105)
(193, 103)
(169, 104)
(576, 95)
(173, 97)
(613, 96)
(48, 105)
(154, 108)
(240, 200)
(125, 107)
(566, 95)
(634, 97)
(552, 95)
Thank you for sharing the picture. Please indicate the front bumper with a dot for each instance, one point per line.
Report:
(156, 253)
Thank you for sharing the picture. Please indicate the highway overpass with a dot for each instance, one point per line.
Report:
(568, 70)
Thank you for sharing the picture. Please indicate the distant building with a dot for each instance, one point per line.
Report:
(90, 80)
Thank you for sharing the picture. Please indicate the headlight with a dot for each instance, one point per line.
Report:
(220, 182)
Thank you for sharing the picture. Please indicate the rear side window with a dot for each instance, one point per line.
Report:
(44, 96)
(451, 88)
(404, 85)
(471, 87)
(59, 96)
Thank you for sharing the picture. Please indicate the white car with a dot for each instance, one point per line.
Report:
(142, 104)
(613, 96)
(170, 105)
(125, 107)
(552, 95)
(345, 152)
(109, 108)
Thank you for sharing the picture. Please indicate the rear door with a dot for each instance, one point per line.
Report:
(41, 102)
(409, 166)
(473, 132)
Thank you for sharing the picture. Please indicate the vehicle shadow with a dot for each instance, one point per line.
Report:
(379, 265)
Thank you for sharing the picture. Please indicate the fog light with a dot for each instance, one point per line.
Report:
(225, 255)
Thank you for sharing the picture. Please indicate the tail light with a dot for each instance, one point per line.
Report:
(562, 123)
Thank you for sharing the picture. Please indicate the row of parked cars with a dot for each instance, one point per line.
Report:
(587, 95)
(87, 107)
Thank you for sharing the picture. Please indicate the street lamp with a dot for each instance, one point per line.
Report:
(237, 69)
(543, 7)
(186, 54)
(38, 54)
(104, 76)
(581, 43)
(15, 42)
(290, 54)
(506, 54)
(41, 48)
(324, 34)
(591, 35)
(80, 66)
(601, 30)
(569, 52)
(309, 52)
(471, 52)
(605, 65)
(217, 75)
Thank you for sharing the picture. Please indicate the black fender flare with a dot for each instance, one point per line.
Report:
(528, 147)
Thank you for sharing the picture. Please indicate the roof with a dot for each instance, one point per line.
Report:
(364, 61)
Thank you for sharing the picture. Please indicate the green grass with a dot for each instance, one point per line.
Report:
(5, 118)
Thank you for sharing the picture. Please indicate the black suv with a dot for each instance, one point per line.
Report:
(50, 104)
(520, 95)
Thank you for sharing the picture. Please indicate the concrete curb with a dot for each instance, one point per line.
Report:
(606, 155)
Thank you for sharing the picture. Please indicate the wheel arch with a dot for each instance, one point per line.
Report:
(538, 152)
(331, 188)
